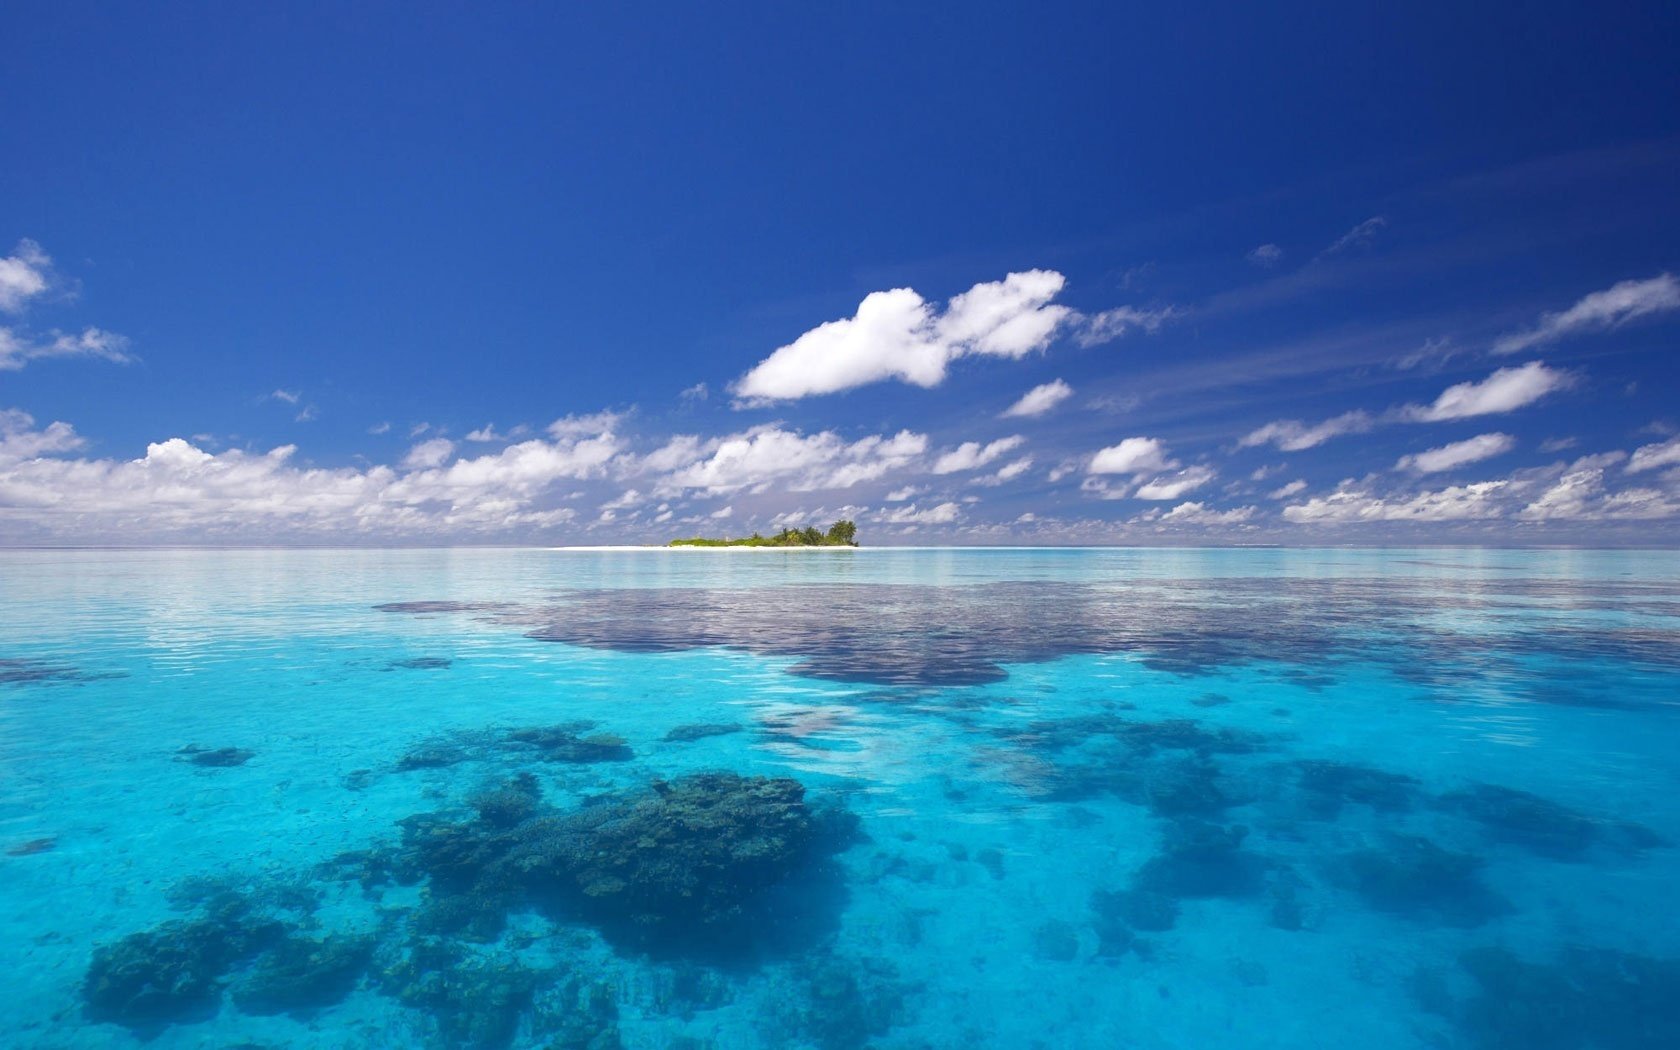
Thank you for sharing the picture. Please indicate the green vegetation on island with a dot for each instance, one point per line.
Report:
(842, 533)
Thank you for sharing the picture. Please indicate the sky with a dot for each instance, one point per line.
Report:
(990, 274)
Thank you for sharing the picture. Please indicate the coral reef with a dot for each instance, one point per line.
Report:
(1417, 879)
(687, 734)
(1541, 826)
(303, 974)
(217, 758)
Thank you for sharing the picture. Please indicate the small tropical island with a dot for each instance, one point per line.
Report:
(842, 533)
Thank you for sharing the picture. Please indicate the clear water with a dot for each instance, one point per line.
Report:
(1141, 798)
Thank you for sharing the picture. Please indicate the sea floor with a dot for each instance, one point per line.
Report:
(895, 799)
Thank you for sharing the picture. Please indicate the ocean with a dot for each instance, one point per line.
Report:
(894, 798)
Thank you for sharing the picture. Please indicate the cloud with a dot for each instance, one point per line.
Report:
(486, 433)
(1457, 454)
(24, 274)
(897, 334)
(1360, 236)
(902, 494)
(18, 348)
(1650, 457)
(1134, 455)
(1011, 471)
(697, 392)
(1040, 399)
(1292, 435)
(1097, 329)
(288, 396)
(721, 513)
(1293, 488)
(1201, 514)
(943, 514)
(1580, 495)
(757, 458)
(1266, 256)
(428, 454)
(383, 427)
(19, 440)
(1172, 486)
(1610, 308)
(1559, 444)
(971, 454)
(1351, 505)
(1505, 390)
(306, 414)
(592, 423)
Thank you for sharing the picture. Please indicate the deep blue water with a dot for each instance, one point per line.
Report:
(1139, 798)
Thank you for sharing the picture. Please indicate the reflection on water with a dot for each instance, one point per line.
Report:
(889, 799)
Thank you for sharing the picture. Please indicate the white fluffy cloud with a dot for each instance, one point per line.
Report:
(971, 455)
(897, 334)
(1040, 399)
(1134, 455)
(1294, 488)
(1350, 505)
(1650, 457)
(24, 274)
(1457, 454)
(1172, 486)
(755, 459)
(1610, 308)
(427, 454)
(1202, 514)
(1292, 435)
(19, 440)
(943, 514)
(1505, 390)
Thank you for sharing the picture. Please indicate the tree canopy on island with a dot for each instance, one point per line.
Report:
(842, 533)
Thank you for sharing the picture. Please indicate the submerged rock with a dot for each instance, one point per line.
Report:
(421, 663)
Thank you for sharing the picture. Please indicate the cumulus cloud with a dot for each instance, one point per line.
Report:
(1650, 457)
(1202, 514)
(1040, 399)
(19, 440)
(484, 434)
(1580, 495)
(18, 348)
(428, 454)
(943, 514)
(755, 459)
(1506, 390)
(1266, 256)
(1172, 486)
(1292, 435)
(24, 274)
(897, 334)
(1352, 505)
(971, 454)
(1457, 454)
(1134, 455)
(1294, 488)
(1598, 311)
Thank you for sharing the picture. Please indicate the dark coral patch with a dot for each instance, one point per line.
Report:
(1414, 878)
(214, 758)
(687, 734)
(421, 663)
(303, 974)
(1541, 826)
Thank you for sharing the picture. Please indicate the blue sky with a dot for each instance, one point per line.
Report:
(1011, 274)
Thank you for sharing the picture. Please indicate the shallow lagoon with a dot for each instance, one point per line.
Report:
(1143, 798)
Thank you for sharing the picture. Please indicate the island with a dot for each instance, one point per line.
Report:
(842, 533)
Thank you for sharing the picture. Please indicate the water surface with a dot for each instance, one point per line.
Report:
(1058, 798)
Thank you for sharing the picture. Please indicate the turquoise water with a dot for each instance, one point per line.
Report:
(1140, 798)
